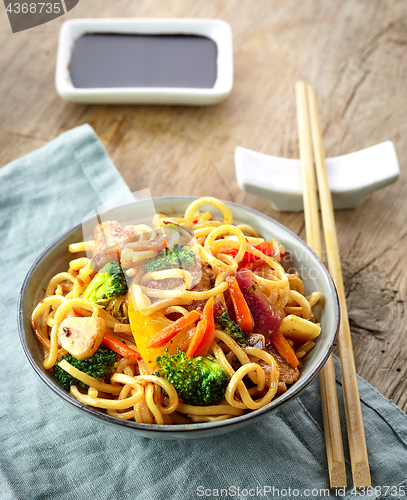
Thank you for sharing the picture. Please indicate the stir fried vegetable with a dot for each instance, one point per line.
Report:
(198, 381)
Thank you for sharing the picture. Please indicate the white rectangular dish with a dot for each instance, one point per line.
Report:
(216, 30)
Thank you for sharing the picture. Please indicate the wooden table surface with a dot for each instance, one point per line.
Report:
(353, 51)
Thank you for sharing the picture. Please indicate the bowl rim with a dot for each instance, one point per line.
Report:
(157, 429)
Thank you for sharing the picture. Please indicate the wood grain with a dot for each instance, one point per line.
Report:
(354, 52)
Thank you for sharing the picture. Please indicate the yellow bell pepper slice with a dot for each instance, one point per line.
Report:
(145, 328)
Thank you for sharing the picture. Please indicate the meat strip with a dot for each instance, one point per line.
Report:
(109, 236)
(287, 374)
(166, 284)
(205, 283)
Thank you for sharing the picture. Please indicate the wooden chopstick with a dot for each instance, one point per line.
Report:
(353, 411)
(329, 401)
(309, 186)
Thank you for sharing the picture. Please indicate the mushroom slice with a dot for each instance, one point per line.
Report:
(81, 337)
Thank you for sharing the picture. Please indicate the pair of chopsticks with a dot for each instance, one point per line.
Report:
(310, 142)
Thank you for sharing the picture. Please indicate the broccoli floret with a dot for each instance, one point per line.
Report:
(179, 257)
(99, 366)
(232, 329)
(108, 283)
(198, 381)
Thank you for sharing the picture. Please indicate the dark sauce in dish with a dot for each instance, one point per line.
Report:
(102, 60)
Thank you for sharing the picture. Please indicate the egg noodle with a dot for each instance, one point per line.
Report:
(135, 391)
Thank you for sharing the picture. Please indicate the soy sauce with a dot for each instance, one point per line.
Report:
(101, 60)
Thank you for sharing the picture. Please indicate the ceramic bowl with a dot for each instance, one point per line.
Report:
(56, 257)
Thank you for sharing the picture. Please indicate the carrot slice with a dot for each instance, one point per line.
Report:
(115, 345)
(169, 332)
(209, 335)
(196, 338)
(283, 347)
(204, 333)
(243, 316)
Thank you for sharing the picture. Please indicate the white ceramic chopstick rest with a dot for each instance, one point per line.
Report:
(351, 177)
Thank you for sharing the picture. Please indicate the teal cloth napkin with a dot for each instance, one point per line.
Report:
(49, 450)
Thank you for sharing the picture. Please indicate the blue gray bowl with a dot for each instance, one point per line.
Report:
(56, 257)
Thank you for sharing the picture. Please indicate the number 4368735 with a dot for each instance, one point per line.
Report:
(34, 8)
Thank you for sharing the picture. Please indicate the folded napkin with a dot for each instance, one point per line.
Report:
(49, 450)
